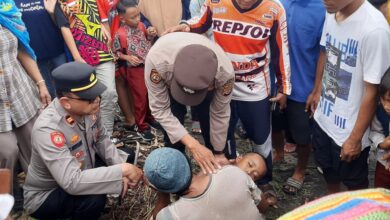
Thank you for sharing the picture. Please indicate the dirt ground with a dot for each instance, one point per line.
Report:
(139, 203)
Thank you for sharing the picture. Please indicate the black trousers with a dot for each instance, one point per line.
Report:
(202, 110)
(60, 205)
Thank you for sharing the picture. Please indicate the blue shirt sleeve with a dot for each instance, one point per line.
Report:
(145, 21)
(185, 9)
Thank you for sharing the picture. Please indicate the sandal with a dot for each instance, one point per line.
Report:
(196, 127)
(269, 194)
(292, 186)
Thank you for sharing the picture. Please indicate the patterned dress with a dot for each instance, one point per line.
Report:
(19, 101)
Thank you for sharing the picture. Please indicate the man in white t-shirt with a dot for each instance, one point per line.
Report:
(356, 38)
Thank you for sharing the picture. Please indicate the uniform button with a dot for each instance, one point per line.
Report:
(1, 72)
(7, 105)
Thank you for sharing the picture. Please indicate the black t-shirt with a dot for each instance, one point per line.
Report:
(59, 17)
(45, 38)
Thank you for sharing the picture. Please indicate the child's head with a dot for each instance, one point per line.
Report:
(129, 12)
(253, 164)
(384, 91)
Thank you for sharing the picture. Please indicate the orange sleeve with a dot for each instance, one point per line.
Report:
(202, 23)
(104, 9)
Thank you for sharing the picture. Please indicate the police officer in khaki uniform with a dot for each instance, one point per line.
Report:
(63, 180)
(186, 69)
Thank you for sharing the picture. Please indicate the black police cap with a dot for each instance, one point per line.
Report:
(79, 78)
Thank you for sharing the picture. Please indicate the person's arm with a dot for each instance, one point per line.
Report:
(104, 9)
(376, 133)
(351, 148)
(63, 24)
(106, 33)
(314, 97)
(257, 195)
(220, 115)
(375, 61)
(198, 24)
(32, 70)
(104, 147)
(65, 168)
(71, 44)
(280, 59)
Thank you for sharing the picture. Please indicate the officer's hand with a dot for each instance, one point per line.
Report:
(205, 158)
(350, 150)
(177, 28)
(44, 94)
(281, 99)
(221, 159)
(132, 173)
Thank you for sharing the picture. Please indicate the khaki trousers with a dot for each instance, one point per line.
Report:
(16, 145)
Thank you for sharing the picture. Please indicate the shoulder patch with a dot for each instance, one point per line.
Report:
(57, 138)
(227, 88)
(155, 76)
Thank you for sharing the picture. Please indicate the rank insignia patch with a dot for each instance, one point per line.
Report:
(69, 120)
(227, 88)
(57, 138)
(155, 76)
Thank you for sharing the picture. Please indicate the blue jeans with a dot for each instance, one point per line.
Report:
(46, 66)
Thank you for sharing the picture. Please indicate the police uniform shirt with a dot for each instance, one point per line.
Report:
(158, 77)
(63, 156)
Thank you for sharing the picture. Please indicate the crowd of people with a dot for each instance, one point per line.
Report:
(305, 76)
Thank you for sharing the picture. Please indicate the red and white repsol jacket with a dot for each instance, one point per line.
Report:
(252, 39)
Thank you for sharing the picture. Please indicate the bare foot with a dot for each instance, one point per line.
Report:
(290, 148)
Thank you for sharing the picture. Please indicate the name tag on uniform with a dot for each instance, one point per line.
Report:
(74, 147)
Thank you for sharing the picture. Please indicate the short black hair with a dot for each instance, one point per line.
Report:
(60, 94)
(377, 3)
(384, 87)
(125, 4)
